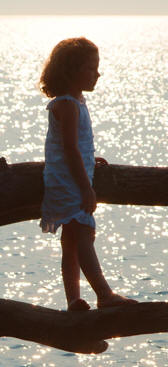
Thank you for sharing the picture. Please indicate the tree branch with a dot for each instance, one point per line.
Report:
(81, 332)
(21, 188)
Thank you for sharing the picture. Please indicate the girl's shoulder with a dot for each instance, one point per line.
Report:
(65, 105)
(63, 108)
(64, 100)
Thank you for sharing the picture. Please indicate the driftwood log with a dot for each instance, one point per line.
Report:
(21, 188)
(81, 332)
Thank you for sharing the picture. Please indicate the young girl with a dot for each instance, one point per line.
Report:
(69, 198)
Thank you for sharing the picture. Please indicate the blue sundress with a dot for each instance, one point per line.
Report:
(62, 196)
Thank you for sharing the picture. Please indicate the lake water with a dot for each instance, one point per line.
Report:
(129, 110)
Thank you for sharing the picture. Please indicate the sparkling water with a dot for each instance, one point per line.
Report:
(129, 111)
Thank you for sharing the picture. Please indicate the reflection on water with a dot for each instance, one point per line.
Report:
(129, 109)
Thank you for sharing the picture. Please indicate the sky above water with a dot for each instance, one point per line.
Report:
(93, 7)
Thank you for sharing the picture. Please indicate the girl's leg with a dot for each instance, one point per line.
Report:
(91, 268)
(71, 269)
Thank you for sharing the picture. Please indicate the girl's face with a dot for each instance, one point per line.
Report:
(88, 73)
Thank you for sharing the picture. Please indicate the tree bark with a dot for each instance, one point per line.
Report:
(21, 188)
(81, 332)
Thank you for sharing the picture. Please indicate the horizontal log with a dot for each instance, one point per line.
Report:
(81, 332)
(21, 188)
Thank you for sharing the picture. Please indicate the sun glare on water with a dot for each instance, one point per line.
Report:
(129, 110)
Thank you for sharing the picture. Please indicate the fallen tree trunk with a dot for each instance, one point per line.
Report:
(82, 332)
(21, 188)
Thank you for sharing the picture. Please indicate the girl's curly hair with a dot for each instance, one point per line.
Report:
(63, 65)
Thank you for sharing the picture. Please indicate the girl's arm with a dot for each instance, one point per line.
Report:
(68, 114)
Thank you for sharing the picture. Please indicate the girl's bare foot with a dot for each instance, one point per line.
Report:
(115, 300)
(78, 305)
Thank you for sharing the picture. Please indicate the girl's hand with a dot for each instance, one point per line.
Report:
(88, 200)
(100, 162)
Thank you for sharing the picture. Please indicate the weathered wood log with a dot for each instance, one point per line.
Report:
(82, 332)
(21, 188)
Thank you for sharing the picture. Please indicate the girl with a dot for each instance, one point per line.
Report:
(69, 198)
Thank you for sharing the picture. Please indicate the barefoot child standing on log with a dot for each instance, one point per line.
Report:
(69, 199)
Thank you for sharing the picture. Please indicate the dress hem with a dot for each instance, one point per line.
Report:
(81, 217)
